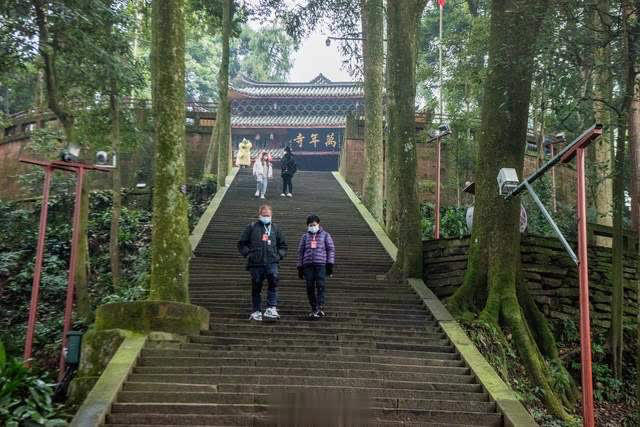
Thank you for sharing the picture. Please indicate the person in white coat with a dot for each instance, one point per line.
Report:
(263, 172)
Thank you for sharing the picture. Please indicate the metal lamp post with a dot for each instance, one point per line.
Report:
(80, 169)
(574, 149)
(443, 131)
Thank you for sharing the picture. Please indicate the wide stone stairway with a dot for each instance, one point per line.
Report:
(378, 341)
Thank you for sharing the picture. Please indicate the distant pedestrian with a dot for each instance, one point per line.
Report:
(264, 246)
(243, 158)
(263, 172)
(316, 257)
(288, 168)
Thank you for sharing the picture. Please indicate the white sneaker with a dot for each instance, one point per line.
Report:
(256, 315)
(282, 195)
(271, 313)
(262, 197)
(289, 195)
(257, 194)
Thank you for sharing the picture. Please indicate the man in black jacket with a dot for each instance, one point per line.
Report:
(264, 246)
(288, 168)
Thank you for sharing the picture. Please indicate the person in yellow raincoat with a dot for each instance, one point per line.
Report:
(243, 157)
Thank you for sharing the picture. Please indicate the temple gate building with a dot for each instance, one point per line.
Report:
(309, 117)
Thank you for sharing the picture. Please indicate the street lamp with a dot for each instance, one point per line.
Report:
(574, 149)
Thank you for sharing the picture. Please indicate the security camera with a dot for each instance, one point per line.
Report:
(327, 42)
(507, 181)
(71, 153)
(443, 128)
(102, 157)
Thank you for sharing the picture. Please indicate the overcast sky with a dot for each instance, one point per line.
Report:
(314, 57)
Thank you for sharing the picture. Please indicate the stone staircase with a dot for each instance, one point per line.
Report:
(378, 342)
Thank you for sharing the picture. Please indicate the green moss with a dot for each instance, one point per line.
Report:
(147, 316)
(98, 347)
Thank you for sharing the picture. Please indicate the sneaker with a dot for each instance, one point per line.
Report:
(313, 315)
(271, 313)
(282, 195)
(320, 313)
(262, 197)
(257, 194)
(256, 315)
(289, 195)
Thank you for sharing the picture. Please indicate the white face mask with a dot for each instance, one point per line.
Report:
(266, 220)
(314, 229)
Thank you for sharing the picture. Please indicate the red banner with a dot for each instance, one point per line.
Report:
(441, 3)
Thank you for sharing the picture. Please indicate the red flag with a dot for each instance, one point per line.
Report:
(441, 3)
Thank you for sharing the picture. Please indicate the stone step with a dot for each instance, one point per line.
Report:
(304, 380)
(377, 349)
(319, 328)
(315, 334)
(434, 359)
(265, 399)
(404, 415)
(193, 362)
(240, 373)
(275, 389)
(376, 342)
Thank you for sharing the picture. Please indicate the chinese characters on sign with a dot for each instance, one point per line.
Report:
(331, 141)
(315, 139)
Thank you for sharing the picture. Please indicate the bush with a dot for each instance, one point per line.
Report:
(453, 223)
(25, 397)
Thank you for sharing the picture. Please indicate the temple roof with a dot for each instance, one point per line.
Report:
(320, 86)
(289, 121)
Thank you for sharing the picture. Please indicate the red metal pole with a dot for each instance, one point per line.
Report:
(75, 237)
(583, 273)
(37, 270)
(436, 229)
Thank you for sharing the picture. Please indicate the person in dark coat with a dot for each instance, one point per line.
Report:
(316, 257)
(264, 245)
(288, 168)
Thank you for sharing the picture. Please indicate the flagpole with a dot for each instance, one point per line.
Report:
(440, 57)
(436, 230)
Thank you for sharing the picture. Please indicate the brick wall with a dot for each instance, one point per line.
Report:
(352, 168)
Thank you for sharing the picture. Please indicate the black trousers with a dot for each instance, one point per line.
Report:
(315, 275)
(287, 185)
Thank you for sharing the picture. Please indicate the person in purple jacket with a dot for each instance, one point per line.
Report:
(316, 257)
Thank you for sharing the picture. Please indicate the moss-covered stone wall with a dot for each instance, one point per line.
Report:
(551, 275)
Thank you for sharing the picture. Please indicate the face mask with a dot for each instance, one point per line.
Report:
(314, 229)
(265, 220)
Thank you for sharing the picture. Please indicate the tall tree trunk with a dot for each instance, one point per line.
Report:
(211, 159)
(116, 188)
(223, 116)
(170, 249)
(616, 343)
(402, 25)
(602, 96)
(48, 54)
(493, 283)
(373, 49)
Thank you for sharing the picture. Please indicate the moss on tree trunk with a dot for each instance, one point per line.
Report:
(170, 249)
(373, 28)
(223, 117)
(404, 219)
(493, 285)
